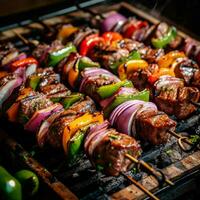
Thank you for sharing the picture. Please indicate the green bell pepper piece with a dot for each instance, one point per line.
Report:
(71, 99)
(165, 40)
(143, 95)
(76, 143)
(34, 81)
(29, 182)
(134, 55)
(85, 62)
(108, 90)
(57, 56)
(10, 188)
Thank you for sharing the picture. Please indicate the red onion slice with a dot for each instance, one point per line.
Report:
(96, 140)
(33, 124)
(93, 132)
(125, 113)
(111, 21)
(7, 89)
(44, 128)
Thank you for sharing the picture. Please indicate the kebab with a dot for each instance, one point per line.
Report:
(76, 76)
(64, 118)
(111, 50)
(174, 64)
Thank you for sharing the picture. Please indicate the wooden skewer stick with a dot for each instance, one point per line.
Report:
(148, 167)
(140, 186)
(184, 139)
(32, 43)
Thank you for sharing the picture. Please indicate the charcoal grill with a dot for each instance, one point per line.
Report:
(59, 180)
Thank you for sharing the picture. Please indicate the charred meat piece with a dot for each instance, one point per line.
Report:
(29, 105)
(186, 95)
(140, 78)
(55, 90)
(41, 52)
(107, 55)
(188, 70)
(57, 127)
(106, 148)
(154, 127)
(173, 98)
(87, 105)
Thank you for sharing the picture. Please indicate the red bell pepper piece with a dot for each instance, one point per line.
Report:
(23, 62)
(133, 27)
(89, 42)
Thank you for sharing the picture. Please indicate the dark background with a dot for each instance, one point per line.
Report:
(185, 13)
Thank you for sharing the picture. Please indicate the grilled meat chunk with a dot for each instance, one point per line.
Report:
(29, 105)
(174, 99)
(109, 152)
(84, 106)
(188, 70)
(140, 78)
(55, 90)
(154, 127)
(57, 127)
(107, 55)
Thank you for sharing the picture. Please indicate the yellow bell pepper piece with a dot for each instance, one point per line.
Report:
(78, 123)
(130, 66)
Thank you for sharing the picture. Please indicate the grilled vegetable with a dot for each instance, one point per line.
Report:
(165, 40)
(76, 124)
(108, 90)
(127, 68)
(10, 188)
(56, 56)
(29, 182)
(89, 42)
(71, 99)
(121, 98)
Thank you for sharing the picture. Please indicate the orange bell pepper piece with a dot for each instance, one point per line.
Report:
(66, 31)
(72, 76)
(166, 60)
(12, 112)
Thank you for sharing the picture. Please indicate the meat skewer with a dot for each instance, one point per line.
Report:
(179, 141)
(143, 188)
